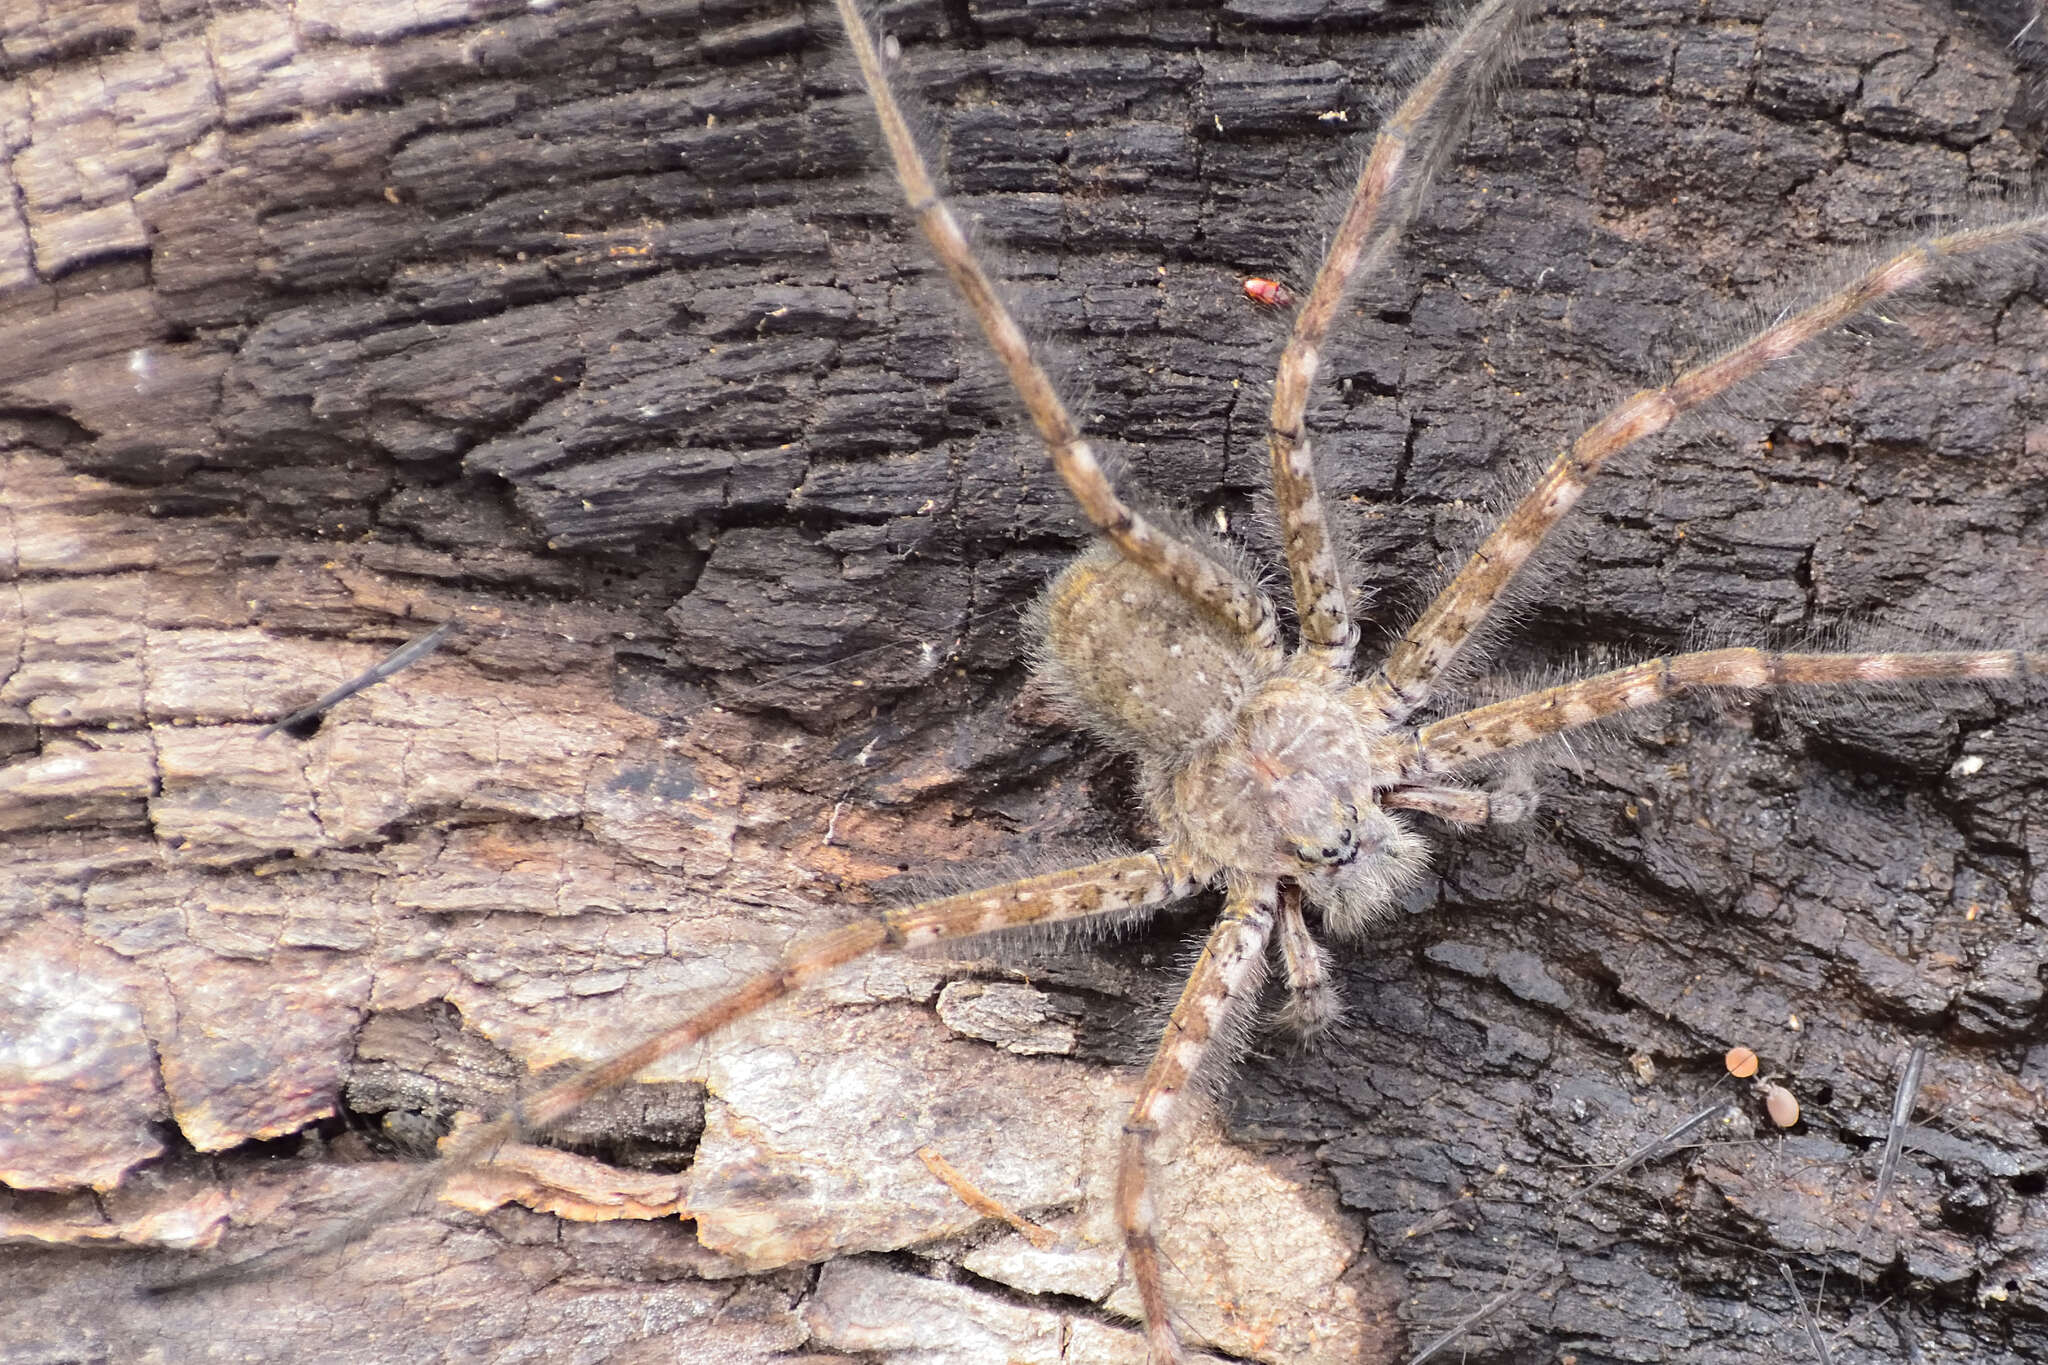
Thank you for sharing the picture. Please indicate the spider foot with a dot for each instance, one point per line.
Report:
(1310, 1010)
(1511, 800)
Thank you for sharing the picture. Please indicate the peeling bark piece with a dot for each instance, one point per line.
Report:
(862, 1307)
(1072, 1265)
(182, 1219)
(810, 1146)
(566, 1185)
(81, 651)
(1262, 1256)
(258, 1048)
(64, 786)
(1017, 1018)
(78, 1083)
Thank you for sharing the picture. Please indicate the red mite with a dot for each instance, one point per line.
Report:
(1272, 293)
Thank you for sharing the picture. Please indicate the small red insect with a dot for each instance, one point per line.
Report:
(1272, 293)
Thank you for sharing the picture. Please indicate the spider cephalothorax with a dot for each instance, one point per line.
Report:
(1247, 767)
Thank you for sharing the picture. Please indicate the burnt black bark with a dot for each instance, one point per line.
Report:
(598, 329)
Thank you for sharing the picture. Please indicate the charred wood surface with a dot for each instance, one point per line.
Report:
(596, 328)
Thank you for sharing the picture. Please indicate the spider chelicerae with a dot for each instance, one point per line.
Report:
(1277, 769)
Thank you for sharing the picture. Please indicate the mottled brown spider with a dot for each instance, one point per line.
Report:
(1271, 767)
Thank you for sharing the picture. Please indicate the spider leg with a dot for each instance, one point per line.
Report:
(1473, 735)
(1403, 160)
(1312, 1002)
(1199, 577)
(1116, 887)
(1429, 647)
(1225, 980)
(1465, 805)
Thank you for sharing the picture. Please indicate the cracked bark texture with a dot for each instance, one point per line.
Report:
(596, 327)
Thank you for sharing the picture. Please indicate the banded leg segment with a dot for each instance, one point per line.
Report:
(1474, 735)
(1124, 886)
(1464, 805)
(1199, 577)
(1312, 1001)
(1391, 185)
(1447, 625)
(1225, 980)
(1119, 886)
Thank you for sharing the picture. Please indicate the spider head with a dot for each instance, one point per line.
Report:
(1289, 795)
(1351, 860)
(1334, 841)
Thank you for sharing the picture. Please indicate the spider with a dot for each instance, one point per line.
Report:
(1271, 769)
(1275, 769)
(494, 819)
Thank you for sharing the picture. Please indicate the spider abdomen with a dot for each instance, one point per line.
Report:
(1128, 657)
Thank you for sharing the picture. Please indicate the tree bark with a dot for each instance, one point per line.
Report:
(598, 329)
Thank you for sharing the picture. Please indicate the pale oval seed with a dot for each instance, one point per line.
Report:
(1783, 1108)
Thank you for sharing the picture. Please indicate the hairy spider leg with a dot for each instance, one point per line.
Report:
(1115, 889)
(1313, 1003)
(1464, 805)
(1472, 736)
(1428, 648)
(1404, 158)
(1220, 990)
(1197, 576)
